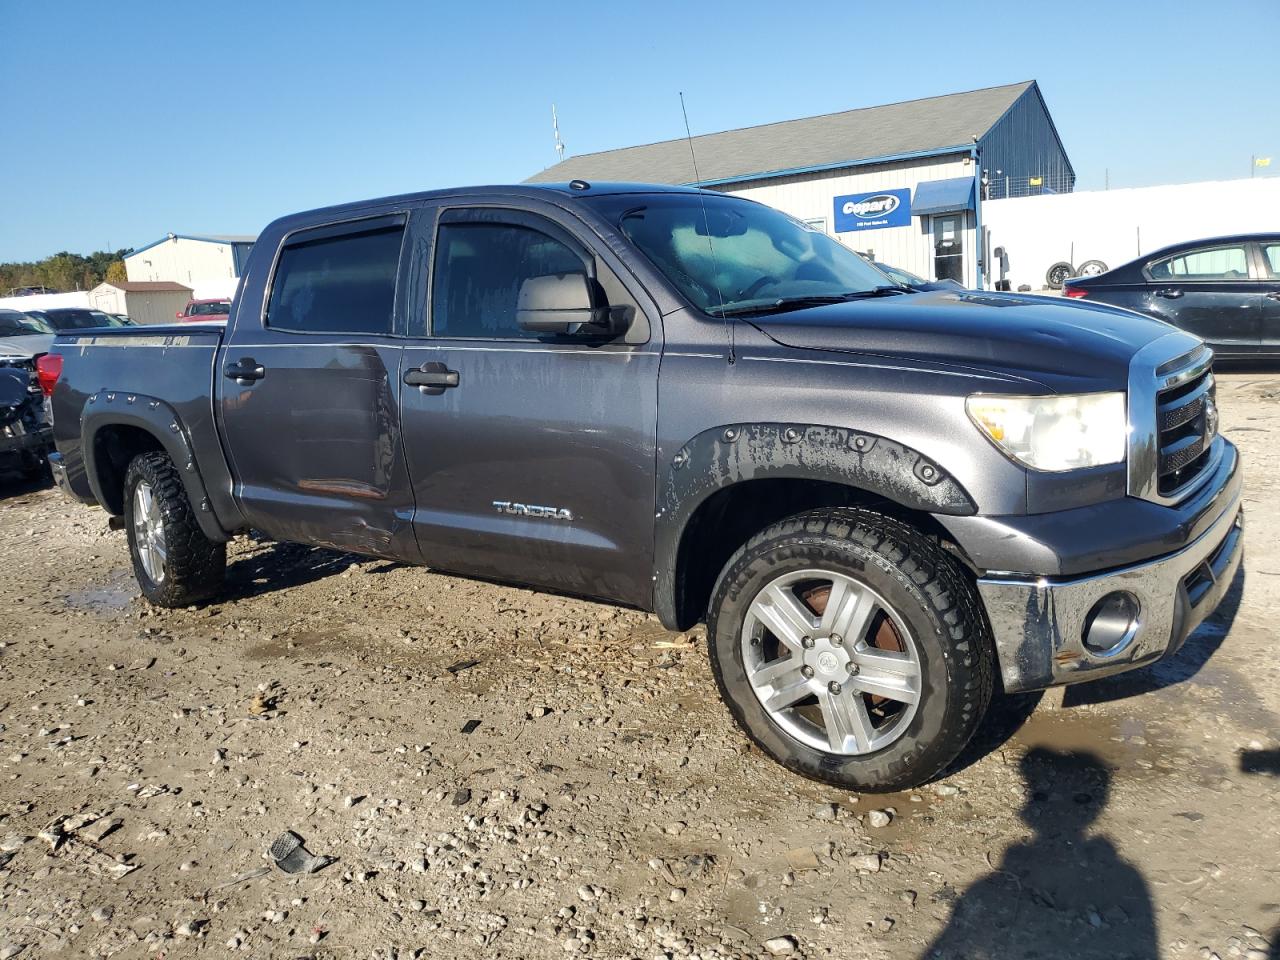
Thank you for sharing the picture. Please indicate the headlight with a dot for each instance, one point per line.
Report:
(1054, 433)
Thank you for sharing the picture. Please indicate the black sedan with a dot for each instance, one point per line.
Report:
(1225, 290)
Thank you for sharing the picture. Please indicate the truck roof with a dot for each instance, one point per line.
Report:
(573, 188)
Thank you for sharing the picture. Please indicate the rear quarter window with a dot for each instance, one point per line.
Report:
(1213, 263)
(344, 283)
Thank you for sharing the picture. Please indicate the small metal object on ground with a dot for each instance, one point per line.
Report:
(292, 857)
(241, 878)
(457, 668)
(470, 726)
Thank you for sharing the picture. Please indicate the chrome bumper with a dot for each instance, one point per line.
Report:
(58, 468)
(1039, 623)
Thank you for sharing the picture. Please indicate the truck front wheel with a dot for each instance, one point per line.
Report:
(174, 562)
(852, 649)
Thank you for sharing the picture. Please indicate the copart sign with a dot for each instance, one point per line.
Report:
(869, 211)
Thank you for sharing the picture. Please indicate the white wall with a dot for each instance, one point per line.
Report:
(810, 196)
(108, 299)
(189, 262)
(1117, 226)
(46, 301)
(215, 289)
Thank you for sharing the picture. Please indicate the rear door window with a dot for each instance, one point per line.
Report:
(1271, 253)
(1212, 263)
(338, 279)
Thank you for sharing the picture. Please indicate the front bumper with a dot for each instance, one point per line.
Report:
(1039, 622)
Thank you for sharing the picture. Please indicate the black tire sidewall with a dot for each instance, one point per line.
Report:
(141, 470)
(195, 566)
(1058, 274)
(937, 731)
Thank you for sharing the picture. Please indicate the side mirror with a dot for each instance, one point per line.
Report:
(178, 315)
(560, 303)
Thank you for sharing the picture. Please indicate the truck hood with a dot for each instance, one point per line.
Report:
(27, 346)
(1062, 345)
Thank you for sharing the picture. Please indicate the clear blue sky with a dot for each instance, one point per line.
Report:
(128, 120)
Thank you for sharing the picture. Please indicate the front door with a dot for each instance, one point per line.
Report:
(309, 397)
(948, 247)
(1209, 292)
(1270, 272)
(531, 456)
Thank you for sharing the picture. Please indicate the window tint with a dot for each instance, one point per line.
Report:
(1272, 253)
(342, 284)
(1219, 263)
(478, 271)
(72, 318)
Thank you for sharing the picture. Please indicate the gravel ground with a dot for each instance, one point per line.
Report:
(500, 773)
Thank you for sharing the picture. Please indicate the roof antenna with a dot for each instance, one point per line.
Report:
(555, 129)
(706, 223)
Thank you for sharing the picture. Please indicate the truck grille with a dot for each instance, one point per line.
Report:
(1173, 419)
(1186, 420)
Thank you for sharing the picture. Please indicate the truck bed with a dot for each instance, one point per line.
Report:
(155, 383)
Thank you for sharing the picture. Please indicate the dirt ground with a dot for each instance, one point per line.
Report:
(505, 774)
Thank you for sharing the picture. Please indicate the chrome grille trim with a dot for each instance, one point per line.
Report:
(1163, 365)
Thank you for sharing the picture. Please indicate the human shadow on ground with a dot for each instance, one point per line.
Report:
(1063, 894)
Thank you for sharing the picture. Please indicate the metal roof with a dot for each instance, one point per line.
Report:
(202, 238)
(148, 286)
(912, 128)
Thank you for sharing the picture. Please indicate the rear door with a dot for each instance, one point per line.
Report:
(309, 395)
(1210, 292)
(1269, 270)
(536, 464)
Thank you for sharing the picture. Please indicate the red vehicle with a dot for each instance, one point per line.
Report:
(198, 310)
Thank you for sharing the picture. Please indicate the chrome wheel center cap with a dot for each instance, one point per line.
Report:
(828, 662)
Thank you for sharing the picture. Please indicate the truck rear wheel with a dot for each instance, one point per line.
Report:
(174, 562)
(851, 649)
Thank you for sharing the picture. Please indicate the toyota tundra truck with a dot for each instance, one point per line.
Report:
(884, 503)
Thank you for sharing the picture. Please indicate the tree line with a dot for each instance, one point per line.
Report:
(65, 271)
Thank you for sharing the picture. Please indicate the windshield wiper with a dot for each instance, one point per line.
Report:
(783, 304)
(885, 291)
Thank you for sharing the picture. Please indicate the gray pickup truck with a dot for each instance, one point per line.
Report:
(883, 502)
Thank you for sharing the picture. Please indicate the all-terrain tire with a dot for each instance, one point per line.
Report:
(929, 592)
(194, 567)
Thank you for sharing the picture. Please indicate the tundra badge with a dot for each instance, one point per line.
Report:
(530, 510)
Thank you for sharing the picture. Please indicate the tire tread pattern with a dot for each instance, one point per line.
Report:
(935, 575)
(195, 566)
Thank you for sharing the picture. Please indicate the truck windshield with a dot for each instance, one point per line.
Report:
(218, 308)
(737, 257)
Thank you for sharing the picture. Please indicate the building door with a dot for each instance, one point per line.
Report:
(948, 247)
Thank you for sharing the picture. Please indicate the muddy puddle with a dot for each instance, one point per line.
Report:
(1123, 743)
(111, 598)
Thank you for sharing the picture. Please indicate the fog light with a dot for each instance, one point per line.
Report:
(1111, 624)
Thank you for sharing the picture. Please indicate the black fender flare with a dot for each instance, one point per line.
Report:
(733, 453)
(114, 408)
